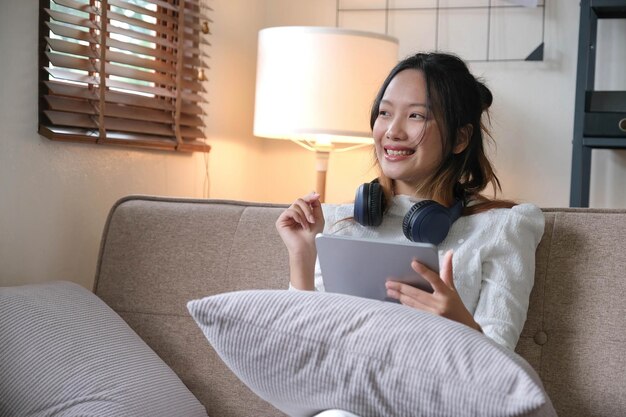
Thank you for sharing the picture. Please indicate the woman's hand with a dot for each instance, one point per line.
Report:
(444, 301)
(297, 227)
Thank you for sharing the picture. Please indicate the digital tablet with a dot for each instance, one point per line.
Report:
(360, 267)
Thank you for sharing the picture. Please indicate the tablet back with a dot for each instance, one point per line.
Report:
(360, 267)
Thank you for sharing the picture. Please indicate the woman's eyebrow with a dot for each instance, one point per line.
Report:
(384, 101)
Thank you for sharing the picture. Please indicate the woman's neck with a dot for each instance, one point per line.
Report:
(401, 188)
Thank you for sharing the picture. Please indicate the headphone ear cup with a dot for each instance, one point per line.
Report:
(361, 210)
(428, 222)
(369, 204)
(410, 219)
(376, 204)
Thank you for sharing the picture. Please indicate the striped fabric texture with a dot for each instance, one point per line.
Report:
(306, 352)
(63, 352)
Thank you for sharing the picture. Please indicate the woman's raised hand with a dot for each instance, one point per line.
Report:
(299, 224)
(297, 227)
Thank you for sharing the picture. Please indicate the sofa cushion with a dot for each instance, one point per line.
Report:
(305, 352)
(64, 352)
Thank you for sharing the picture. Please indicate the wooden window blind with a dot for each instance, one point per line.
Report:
(124, 72)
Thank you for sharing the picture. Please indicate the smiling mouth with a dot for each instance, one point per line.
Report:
(399, 152)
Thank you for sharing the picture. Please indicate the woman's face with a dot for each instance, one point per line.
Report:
(407, 140)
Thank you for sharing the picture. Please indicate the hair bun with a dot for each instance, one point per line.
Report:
(486, 98)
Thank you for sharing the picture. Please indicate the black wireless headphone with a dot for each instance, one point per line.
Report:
(426, 221)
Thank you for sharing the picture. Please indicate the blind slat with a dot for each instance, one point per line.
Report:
(193, 9)
(196, 39)
(124, 125)
(138, 113)
(192, 50)
(165, 5)
(71, 19)
(141, 10)
(191, 108)
(141, 36)
(68, 75)
(191, 121)
(71, 119)
(194, 85)
(68, 32)
(137, 74)
(158, 54)
(73, 105)
(193, 97)
(81, 7)
(138, 23)
(70, 105)
(135, 61)
(79, 91)
(191, 132)
(60, 45)
(137, 126)
(67, 61)
(195, 62)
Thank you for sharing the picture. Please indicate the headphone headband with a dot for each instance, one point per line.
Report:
(426, 221)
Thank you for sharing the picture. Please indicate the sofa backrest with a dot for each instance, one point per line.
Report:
(575, 330)
(158, 253)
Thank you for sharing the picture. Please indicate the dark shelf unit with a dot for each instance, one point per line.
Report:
(599, 116)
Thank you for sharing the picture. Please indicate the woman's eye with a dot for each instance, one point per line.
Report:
(383, 113)
(417, 116)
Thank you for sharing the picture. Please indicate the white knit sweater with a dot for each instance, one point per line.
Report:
(493, 262)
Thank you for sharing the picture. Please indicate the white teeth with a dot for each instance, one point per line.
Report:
(396, 153)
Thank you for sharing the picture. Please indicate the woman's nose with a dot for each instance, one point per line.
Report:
(395, 130)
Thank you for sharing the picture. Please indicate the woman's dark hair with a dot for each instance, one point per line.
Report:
(457, 101)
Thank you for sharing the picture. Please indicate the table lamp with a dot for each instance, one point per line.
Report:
(315, 86)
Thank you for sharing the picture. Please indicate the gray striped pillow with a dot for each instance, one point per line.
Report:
(305, 352)
(63, 352)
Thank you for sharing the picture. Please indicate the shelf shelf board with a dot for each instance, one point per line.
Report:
(604, 142)
(609, 9)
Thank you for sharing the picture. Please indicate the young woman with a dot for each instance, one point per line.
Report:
(428, 141)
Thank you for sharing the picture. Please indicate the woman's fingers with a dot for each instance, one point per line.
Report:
(292, 216)
(429, 275)
(307, 205)
(439, 281)
(408, 295)
(305, 211)
(395, 289)
(316, 207)
(446, 270)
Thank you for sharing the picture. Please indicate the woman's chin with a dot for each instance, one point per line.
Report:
(394, 174)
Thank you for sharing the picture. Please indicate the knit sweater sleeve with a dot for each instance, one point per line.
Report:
(330, 219)
(508, 272)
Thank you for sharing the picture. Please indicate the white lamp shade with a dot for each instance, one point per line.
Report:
(318, 83)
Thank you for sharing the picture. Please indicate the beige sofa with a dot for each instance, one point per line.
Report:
(159, 253)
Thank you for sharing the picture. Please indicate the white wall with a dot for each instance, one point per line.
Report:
(54, 197)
